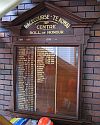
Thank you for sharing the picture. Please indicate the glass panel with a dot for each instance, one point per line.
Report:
(46, 79)
(67, 73)
(25, 78)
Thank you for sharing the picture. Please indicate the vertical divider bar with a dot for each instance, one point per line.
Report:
(56, 83)
(35, 77)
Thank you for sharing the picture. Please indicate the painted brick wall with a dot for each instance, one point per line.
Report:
(90, 93)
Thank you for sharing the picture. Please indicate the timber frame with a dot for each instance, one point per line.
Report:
(79, 38)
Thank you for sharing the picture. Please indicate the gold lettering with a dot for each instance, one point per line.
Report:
(45, 18)
(34, 32)
(38, 26)
(64, 22)
(27, 24)
(46, 27)
(55, 32)
(48, 32)
(55, 18)
(36, 19)
(31, 32)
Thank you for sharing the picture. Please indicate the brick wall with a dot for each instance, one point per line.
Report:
(90, 93)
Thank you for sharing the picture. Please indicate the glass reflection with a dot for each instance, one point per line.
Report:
(47, 79)
(57, 74)
(66, 80)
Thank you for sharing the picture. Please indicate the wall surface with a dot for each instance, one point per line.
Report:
(90, 92)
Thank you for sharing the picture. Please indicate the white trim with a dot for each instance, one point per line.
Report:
(8, 5)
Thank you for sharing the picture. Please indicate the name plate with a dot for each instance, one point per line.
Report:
(46, 24)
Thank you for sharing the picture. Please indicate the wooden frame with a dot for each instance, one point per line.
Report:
(78, 38)
(77, 112)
